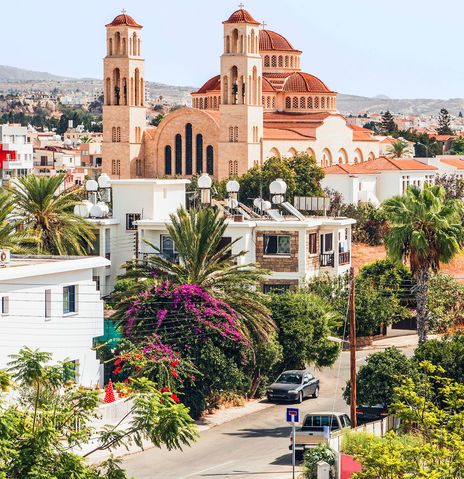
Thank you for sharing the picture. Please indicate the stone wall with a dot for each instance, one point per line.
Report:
(278, 263)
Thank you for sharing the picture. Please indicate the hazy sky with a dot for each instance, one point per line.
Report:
(400, 48)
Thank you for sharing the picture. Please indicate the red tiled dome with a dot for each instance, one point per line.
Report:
(241, 16)
(214, 84)
(305, 83)
(124, 19)
(267, 87)
(270, 41)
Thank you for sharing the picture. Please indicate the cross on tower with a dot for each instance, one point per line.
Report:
(123, 11)
(264, 25)
(241, 6)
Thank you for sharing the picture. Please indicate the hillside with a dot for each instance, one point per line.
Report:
(12, 74)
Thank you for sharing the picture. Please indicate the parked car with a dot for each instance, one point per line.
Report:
(294, 386)
(318, 427)
(366, 413)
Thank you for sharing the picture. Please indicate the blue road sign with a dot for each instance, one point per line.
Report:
(293, 414)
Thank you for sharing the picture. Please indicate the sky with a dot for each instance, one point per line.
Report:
(399, 48)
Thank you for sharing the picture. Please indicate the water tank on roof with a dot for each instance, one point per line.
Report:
(100, 210)
(83, 209)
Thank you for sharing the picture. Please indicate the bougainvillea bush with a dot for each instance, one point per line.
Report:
(184, 339)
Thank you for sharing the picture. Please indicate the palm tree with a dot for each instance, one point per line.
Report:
(46, 210)
(205, 260)
(427, 230)
(399, 149)
(11, 237)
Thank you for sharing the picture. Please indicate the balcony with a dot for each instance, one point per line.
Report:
(344, 258)
(327, 259)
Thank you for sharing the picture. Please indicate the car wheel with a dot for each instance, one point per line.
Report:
(316, 392)
(300, 397)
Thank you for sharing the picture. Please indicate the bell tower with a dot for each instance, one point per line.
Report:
(241, 106)
(124, 112)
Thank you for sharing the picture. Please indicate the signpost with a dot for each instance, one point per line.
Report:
(293, 417)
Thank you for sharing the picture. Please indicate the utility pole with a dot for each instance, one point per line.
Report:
(352, 316)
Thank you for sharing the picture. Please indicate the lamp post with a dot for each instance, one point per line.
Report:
(426, 148)
(204, 185)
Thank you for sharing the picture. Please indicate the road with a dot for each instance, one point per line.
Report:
(254, 446)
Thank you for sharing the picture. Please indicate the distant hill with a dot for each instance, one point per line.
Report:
(18, 74)
(17, 79)
(421, 106)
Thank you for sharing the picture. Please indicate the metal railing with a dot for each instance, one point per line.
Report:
(327, 259)
(344, 258)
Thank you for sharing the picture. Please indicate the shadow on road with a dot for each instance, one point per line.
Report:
(254, 433)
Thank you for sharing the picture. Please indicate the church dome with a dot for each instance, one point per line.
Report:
(304, 83)
(270, 41)
(242, 16)
(124, 19)
(213, 84)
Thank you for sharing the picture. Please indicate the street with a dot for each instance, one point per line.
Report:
(252, 446)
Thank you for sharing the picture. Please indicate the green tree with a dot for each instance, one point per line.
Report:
(387, 124)
(53, 416)
(47, 211)
(158, 119)
(399, 149)
(427, 230)
(457, 147)
(453, 185)
(301, 173)
(444, 123)
(377, 379)
(205, 260)
(305, 321)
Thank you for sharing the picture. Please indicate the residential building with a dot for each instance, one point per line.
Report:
(16, 155)
(51, 303)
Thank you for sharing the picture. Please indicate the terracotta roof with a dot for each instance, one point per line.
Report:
(124, 19)
(286, 134)
(387, 164)
(242, 16)
(359, 128)
(270, 41)
(213, 84)
(304, 82)
(443, 137)
(456, 162)
(363, 136)
(267, 87)
(359, 169)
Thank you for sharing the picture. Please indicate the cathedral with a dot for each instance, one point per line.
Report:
(260, 105)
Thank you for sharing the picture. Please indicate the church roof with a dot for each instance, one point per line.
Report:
(124, 19)
(242, 16)
(359, 169)
(270, 41)
(305, 83)
(213, 84)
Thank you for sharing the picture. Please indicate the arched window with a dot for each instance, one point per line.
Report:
(286, 61)
(235, 41)
(134, 44)
(266, 61)
(326, 157)
(268, 102)
(116, 167)
(227, 46)
(138, 168)
(199, 145)
(371, 156)
(178, 154)
(231, 134)
(235, 171)
(310, 152)
(124, 46)
(358, 156)
(288, 102)
(322, 102)
(273, 102)
(201, 103)
(118, 134)
(281, 61)
(302, 102)
(235, 134)
(253, 42)
(231, 168)
(275, 153)
(137, 87)
(188, 149)
(234, 84)
(310, 103)
(210, 160)
(316, 103)
(131, 51)
(116, 86)
(113, 134)
(292, 152)
(206, 103)
(295, 102)
(342, 156)
(291, 62)
(274, 61)
(110, 47)
(167, 160)
(117, 43)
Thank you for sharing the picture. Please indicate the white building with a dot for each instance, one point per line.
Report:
(52, 304)
(293, 248)
(16, 154)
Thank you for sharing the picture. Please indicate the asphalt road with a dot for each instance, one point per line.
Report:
(254, 446)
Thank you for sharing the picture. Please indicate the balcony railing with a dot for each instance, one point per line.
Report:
(327, 259)
(344, 258)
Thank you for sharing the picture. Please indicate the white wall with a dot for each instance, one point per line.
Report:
(65, 336)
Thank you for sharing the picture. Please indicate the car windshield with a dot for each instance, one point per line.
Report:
(289, 378)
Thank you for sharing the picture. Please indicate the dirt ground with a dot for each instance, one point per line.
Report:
(363, 254)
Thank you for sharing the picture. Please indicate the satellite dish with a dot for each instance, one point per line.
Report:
(83, 209)
(267, 205)
(232, 186)
(91, 185)
(278, 199)
(257, 202)
(278, 187)
(104, 181)
(100, 210)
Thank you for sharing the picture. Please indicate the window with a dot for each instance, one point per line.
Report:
(405, 183)
(188, 149)
(326, 242)
(48, 304)
(178, 154)
(199, 153)
(167, 160)
(276, 244)
(168, 248)
(5, 305)
(312, 243)
(69, 299)
(116, 167)
(210, 160)
(96, 280)
(138, 167)
(131, 218)
(107, 243)
(275, 288)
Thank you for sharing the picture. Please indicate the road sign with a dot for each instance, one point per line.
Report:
(293, 414)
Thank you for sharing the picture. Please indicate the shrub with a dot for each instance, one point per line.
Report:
(322, 452)
(371, 223)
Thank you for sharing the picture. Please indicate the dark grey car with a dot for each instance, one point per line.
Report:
(293, 386)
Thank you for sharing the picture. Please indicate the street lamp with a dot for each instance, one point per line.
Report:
(426, 148)
(204, 185)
